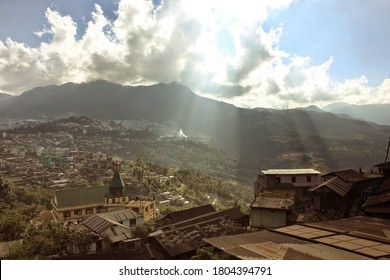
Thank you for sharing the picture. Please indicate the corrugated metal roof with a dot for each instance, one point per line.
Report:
(273, 245)
(335, 184)
(289, 171)
(232, 213)
(372, 228)
(272, 203)
(120, 215)
(185, 239)
(348, 175)
(349, 239)
(377, 199)
(179, 216)
(80, 196)
(106, 228)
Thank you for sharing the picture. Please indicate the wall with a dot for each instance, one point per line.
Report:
(268, 218)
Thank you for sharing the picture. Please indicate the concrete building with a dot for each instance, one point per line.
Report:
(286, 179)
(270, 212)
(79, 203)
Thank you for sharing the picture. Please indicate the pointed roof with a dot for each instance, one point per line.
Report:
(117, 181)
(117, 186)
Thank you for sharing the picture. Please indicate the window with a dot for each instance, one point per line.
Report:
(293, 179)
(308, 179)
(77, 212)
(277, 180)
(66, 214)
(89, 211)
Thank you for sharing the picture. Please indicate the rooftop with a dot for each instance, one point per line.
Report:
(345, 239)
(335, 184)
(272, 203)
(80, 196)
(289, 171)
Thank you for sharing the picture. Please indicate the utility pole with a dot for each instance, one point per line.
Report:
(387, 152)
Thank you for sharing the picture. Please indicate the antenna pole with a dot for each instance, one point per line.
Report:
(387, 152)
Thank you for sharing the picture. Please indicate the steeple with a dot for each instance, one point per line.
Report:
(117, 186)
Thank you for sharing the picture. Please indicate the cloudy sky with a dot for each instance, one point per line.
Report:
(250, 53)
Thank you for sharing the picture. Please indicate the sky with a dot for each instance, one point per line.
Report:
(250, 53)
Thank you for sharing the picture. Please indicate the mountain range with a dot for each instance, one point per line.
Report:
(377, 113)
(261, 138)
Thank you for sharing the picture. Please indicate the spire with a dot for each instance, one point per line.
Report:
(117, 186)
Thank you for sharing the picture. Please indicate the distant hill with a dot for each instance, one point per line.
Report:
(378, 113)
(261, 138)
(312, 108)
(4, 96)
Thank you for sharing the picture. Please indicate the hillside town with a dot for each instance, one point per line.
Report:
(113, 208)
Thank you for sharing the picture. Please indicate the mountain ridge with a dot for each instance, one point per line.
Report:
(262, 138)
(377, 113)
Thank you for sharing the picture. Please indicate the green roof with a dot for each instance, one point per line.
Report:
(117, 186)
(117, 181)
(80, 196)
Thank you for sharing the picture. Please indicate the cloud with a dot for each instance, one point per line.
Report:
(218, 50)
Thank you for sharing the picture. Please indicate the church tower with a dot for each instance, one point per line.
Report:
(117, 186)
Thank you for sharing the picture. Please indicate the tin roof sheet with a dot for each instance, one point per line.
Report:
(289, 171)
(272, 203)
(274, 245)
(335, 184)
(80, 196)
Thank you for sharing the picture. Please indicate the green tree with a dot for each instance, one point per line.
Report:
(80, 241)
(208, 253)
(12, 225)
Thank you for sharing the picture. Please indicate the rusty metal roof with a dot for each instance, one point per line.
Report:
(179, 216)
(348, 175)
(371, 228)
(289, 171)
(262, 201)
(120, 215)
(335, 184)
(376, 200)
(353, 238)
(107, 228)
(273, 245)
(189, 238)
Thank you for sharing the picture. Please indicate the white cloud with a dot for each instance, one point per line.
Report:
(217, 49)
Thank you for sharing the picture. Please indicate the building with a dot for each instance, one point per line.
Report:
(78, 203)
(270, 212)
(298, 179)
(112, 229)
(342, 192)
(182, 233)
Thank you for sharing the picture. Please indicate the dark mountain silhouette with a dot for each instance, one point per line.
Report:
(4, 96)
(378, 113)
(262, 138)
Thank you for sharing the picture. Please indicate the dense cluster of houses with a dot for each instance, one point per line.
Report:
(279, 226)
(295, 213)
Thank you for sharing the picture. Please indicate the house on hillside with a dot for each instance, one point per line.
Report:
(383, 169)
(112, 229)
(270, 212)
(78, 203)
(297, 180)
(378, 202)
(342, 192)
